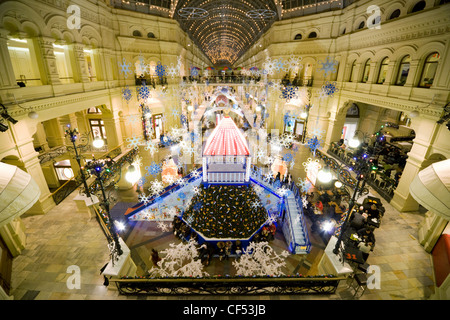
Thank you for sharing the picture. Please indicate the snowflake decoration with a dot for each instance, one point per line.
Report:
(196, 173)
(288, 93)
(153, 169)
(151, 147)
(278, 64)
(141, 181)
(304, 185)
(163, 226)
(181, 182)
(172, 71)
(125, 68)
(293, 63)
(133, 142)
(282, 191)
(160, 69)
(143, 198)
(304, 202)
(175, 113)
(141, 66)
(126, 94)
(311, 164)
(330, 88)
(156, 187)
(269, 66)
(318, 133)
(196, 189)
(255, 204)
(328, 66)
(288, 157)
(314, 144)
(143, 92)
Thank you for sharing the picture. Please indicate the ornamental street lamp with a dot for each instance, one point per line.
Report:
(361, 168)
(73, 134)
(97, 167)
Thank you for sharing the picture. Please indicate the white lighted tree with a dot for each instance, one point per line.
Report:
(179, 261)
(260, 259)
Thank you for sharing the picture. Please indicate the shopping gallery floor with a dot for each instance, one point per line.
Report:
(64, 236)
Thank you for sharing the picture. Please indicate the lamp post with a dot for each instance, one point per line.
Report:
(305, 114)
(97, 167)
(361, 168)
(73, 134)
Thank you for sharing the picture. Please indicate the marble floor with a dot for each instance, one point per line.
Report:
(65, 237)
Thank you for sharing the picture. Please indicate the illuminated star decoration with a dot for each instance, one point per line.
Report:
(125, 68)
(328, 66)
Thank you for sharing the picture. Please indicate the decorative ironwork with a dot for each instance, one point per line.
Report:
(66, 189)
(229, 285)
(261, 14)
(193, 13)
(52, 154)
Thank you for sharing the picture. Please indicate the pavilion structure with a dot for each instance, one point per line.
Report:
(226, 156)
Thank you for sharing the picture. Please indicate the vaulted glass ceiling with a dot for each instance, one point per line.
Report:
(225, 29)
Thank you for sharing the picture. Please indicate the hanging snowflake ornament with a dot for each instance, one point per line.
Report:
(288, 93)
(143, 92)
(160, 70)
(303, 184)
(156, 187)
(314, 144)
(164, 227)
(134, 142)
(141, 66)
(288, 157)
(153, 169)
(124, 68)
(126, 94)
(328, 66)
(329, 88)
(172, 71)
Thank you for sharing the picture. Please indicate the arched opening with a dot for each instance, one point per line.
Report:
(151, 35)
(298, 37)
(137, 33)
(312, 35)
(395, 14)
(419, 6)
(361, 25)
(403, 70)
(351, 123)
(383, 71)
(366, 71)
(429, 70)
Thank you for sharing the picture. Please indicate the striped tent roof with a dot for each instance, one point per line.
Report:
(226, 140)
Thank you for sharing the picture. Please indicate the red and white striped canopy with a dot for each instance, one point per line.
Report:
(226, 140)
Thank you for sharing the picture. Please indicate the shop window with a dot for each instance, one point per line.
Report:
(429, 70)
(98, 128)
(383, 71)
(158, 126)
(403, 70)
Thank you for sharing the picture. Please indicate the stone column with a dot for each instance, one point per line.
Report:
(54, 132)
(426, 130)
(28, 161)
(46, 59)
(7, 77)
(430, 230)
(79, 68)
(413, 75)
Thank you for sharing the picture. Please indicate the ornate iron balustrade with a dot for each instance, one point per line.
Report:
(385, 186)
(52, 154)
(66, 189)
(229, 285)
